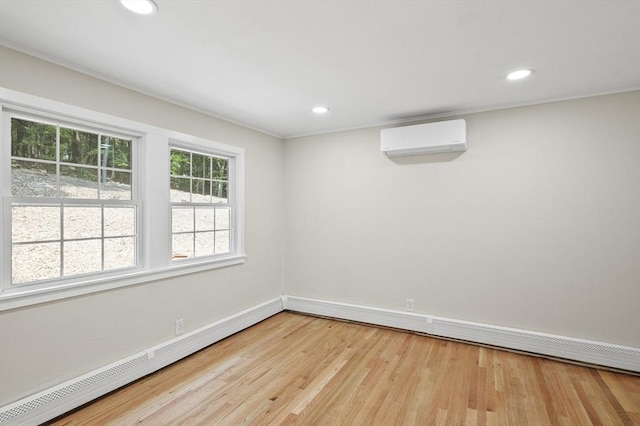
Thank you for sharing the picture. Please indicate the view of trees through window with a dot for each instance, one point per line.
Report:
(73, 209)
(83, 198)
(200, 207)
(97, 161)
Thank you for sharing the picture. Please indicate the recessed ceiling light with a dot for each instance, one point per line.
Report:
(320, 109)
(519, 74)
(141, 7)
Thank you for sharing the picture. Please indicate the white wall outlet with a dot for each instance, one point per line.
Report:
(410, 305)
(179, 326)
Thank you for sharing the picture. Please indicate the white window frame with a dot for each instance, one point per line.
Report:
(231, 197)
(151, 176)
(47, 118)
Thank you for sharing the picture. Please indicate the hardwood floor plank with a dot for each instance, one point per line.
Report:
(293, 369)
(620, 400)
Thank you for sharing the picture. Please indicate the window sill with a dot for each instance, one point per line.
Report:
(29, 297)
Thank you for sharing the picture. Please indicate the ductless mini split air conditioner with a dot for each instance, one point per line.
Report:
(431, 138)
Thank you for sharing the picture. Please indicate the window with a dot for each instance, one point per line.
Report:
(73, 210)
(92, 202)
(201, 210)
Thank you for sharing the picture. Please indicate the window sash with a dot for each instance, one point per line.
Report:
(151, 176)
(11, 201)
(192, 255)
(178, 257)
(63, 240)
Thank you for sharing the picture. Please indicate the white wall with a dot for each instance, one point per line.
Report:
(536, 226)
(46, 344)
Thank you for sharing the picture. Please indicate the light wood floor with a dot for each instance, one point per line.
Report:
(295, 369)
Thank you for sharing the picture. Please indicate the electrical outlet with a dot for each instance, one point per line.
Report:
(410, 305)
(179, 326)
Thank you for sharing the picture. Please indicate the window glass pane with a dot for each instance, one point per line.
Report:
(182, 246)
(78, 147)
(31, 179)
(220, 168)
(180, 190)
(56, 237)
(182, 219)
(32, 262)
(203, 180)
(222, 219)
(82, 257)
(222, 242)
(119, 253)
(115, 185)
(204, 243)
(204, 219)
(180, 163)
(220, 192)
(35, 223)
(78, 182)
(201, 192)
(201, 166)
(119, 221)
(33, 140)
(82, 222)
(115, 152)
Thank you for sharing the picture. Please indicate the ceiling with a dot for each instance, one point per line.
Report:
(265, 64)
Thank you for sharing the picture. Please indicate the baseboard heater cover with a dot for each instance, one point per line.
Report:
(52, 402)
(592, 352)
(365, 314)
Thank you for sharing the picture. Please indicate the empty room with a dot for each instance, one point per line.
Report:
(319, 212)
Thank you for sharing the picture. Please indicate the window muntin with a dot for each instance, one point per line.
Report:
(73, 210)
(148, 174)
(201, 206)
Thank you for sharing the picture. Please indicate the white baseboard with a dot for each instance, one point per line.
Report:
(604, 354)
(57, 400)
(345, 311)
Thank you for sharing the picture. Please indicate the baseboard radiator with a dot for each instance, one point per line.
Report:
(587, 351)
(55, 401)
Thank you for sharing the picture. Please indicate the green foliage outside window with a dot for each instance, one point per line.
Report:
(199, 174)
(33, 140)
(79, 151)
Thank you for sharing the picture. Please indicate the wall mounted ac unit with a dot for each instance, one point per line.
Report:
(431, 138)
